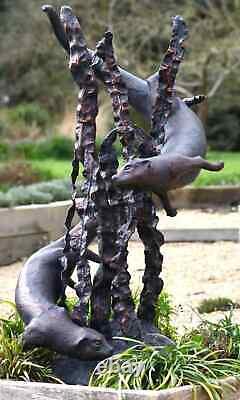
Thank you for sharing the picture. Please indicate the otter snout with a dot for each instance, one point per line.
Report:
(93, 346)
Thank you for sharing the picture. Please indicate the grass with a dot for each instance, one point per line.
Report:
(17, 363)
(230, 175)
(216, 304)
(223, 336)
(200, 358)
(59, 169)
(156, 368)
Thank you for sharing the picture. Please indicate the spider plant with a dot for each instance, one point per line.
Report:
(155, 368)
(15, 362)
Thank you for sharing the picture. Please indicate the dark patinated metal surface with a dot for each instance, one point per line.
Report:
(114, 204)
(48, 325)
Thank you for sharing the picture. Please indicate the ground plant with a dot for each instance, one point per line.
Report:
(16, 363)
(155, 368)
(199, 358)
(223, 336)
(216, 304)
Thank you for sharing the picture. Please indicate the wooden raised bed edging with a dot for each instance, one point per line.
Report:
(11, 390)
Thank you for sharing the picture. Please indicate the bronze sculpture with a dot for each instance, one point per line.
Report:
(114, 203)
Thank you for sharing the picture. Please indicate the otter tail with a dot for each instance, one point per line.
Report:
(212, 166)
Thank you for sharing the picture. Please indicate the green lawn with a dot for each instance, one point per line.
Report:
(230, 175)
(58, 169)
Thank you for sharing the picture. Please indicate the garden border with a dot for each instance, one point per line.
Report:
(14, 390)
(24, 229)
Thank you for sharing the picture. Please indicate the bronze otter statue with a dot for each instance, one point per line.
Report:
(180, 161)
(47, 324)
(40, 283)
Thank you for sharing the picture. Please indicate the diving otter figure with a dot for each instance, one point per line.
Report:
(48, 325)
(162, 173)
(180, 161)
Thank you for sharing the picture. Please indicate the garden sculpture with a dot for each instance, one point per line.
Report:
(112, 204)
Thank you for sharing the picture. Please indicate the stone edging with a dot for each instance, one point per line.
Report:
(219, 196)
(11, 390)
(24, 229)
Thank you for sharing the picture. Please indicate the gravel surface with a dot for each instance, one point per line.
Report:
(191, 272)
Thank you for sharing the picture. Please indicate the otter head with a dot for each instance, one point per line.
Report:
(54, 329)
(134, 174)
(91, 345)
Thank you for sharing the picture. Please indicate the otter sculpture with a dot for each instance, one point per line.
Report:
(183, 146)
(47, 324)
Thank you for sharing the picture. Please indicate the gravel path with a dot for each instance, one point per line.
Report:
(192, 272)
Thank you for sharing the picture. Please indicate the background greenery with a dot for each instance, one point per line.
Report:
(37, 95)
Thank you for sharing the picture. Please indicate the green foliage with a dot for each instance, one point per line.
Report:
(223, 129)
(4, 129)
(164, 310)
(200, 358)
(70, 303)
(15, 362)
(4, 151)
(4, 200)
(216, 304)
(40, 193)
(38, 67)
(55, 169)
(30, 114)
(58, 147)
(20, 172)
(23, 195)
(60, 190)
(230, 175)
(223, 336)
(155, 368)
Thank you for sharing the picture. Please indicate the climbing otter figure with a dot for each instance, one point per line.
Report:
(47, 324)
(180, 161)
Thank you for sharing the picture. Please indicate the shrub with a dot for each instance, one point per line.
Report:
(223, 129)
(223, 336)
(4, 151)
(18, 172)
(4, 129)
(60, 190)
(4, 200)
(30, 114)
(17, 364)
(59, 147)
(56, 146)
(26, 195)
(164, 311)
(218, 304)
(24, 148)
(40, 193)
